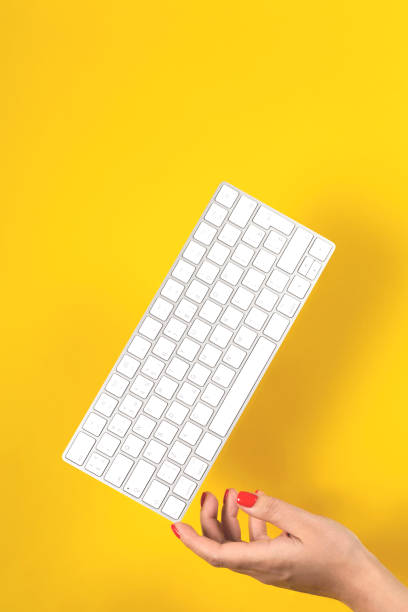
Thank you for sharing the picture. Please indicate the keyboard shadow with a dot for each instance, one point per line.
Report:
(278, 435)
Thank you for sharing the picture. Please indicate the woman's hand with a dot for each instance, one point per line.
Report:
(313, 554)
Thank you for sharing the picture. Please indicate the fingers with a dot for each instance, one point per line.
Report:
(233, 555)
(211, 527)
(257, 527)
(285, 516)
(230, 524)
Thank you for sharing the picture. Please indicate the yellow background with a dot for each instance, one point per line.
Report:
(118, 121)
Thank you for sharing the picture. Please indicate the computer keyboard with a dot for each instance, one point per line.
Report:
(178, 388)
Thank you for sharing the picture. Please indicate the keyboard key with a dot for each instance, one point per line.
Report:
(226, 196)
(161, 309)
(267, 299)
(183, 271)
(139, 347)
(234, 356)
(165, 432)
(190, 433)
(184, 487)
(94, 424)
(155, 494)
(188, 349)
(208, 446)
(275, 242)
(97, 464)
(172, 290)
(253, 279)
(256, 318)
(210, 311)
(141, 386)
(276, 327)
(154, 451)
(150, 328)
(195, 468)
(314, 270)
(133, 445)
(199, 330)
(268, 218)
(80, 448)
(242, 298)
(139, 478)
(117, 385)
(223, 375)
(212, 395)
(153, 367)
(294, 250)
(164, 348)
(305, 265)
(229, 234)
(173, 507)
(243, 211)
(194, 252)
(188, 394)
(218, 253)
(177, 413)
(232, 273)
(264, 261)
(221, 292)
(277, 281)
(197, 291)
(207, 272)
(166, 387)
(216, 214)
(168, 472)
(205, 233)
(130, 406)
(177, 368)
(155, 407)
(221, 336)
(105, 404)
(288, 305)
(243, 254)
(108, 444)
(119, 425)
(128, 366)
(253, 236)
(245, 337)
(299, 287)
(179, 452)
(231, 317)
(201, 414)
(144, 426)
(238, 394)
(199, 374)
(320, 249)
(186, 310)
(210, 355)
(118, 470)
(175, 329)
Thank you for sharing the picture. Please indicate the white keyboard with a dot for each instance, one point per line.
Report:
(200, 350)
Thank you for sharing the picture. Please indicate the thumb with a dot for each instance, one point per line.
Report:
(277, 512)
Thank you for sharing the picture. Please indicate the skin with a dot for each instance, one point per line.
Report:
(313, 554)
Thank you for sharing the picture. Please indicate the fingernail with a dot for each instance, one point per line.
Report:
(225, 495)
(204, 495)
(176, 533)
(246, 499)
(257, 490)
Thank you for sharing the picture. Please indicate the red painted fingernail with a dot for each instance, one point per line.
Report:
(176, 533)
(246, 499)
(225, 495)
(204, 495)
(257, 490)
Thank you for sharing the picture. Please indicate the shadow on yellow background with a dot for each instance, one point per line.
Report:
(118, 122)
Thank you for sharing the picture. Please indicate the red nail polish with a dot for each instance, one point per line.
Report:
(225, 495)
(257, 490)
(176, 533)
(204, 495)
(246, 499)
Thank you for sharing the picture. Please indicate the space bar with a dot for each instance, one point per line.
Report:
(242, 387)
